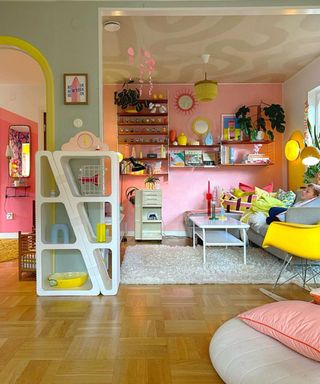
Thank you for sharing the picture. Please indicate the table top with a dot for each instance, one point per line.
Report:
(226, 222)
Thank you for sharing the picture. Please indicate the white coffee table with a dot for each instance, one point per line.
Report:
(215, 233)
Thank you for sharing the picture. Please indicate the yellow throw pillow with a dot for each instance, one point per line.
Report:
(238, 193)
(260, 192)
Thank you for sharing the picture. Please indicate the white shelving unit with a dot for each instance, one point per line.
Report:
(59, 200)
(148, 215)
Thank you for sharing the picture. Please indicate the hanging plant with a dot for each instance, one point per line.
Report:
(129, 98)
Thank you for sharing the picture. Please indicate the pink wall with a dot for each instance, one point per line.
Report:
(21, 207)
(185, 189)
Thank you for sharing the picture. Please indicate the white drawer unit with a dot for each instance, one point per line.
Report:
(148, 215)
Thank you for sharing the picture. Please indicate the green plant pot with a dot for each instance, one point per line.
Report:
(253, 135)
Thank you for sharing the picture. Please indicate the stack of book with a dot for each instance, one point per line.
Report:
(257, 158)
(194, 158)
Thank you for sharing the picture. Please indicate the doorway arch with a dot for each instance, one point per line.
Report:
(29, 49)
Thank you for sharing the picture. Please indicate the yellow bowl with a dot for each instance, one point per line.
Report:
(67, 279)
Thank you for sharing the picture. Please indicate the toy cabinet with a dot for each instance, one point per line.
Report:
(73, 190)
(144, 136)
(148, 215)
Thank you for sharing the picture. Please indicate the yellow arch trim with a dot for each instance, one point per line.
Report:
(47, 72)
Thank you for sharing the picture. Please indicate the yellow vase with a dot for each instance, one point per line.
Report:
(182, 139)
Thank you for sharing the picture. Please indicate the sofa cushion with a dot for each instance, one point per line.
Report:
(249, 188)
(287, 198)
(293, 323)
(232, 203)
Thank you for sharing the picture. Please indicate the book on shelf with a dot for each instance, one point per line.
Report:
(193, 158)
(177, 159)
(257, 158)
(210, 159)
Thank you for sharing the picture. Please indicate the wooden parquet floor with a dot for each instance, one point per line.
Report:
(145, 334)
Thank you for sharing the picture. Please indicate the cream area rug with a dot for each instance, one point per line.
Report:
(162, 264)
(8, 249)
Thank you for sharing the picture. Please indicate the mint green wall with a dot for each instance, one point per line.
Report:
(67, 35)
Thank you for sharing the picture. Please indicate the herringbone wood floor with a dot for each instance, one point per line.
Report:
(145, 334)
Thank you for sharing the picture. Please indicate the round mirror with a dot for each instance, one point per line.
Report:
(200, 126)
(185, 102)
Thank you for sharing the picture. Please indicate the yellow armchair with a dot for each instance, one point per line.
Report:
(297, 240)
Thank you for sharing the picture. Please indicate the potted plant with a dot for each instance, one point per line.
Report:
(313, 171)
(129, 98)
(251, 124)
(151, 181)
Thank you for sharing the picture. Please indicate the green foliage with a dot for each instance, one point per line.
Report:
(312, 170)
(274, 113)
(311, 173)
(151, 179)
(276, 116)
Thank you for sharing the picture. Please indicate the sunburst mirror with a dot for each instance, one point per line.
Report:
(185, 101)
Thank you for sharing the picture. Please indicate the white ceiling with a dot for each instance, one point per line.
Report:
(269, 48)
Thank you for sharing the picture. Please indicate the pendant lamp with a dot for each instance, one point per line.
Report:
(206, 90)
(310, 156)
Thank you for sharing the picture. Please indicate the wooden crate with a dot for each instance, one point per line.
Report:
(27, 256)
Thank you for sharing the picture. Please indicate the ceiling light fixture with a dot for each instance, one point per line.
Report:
(206, 90)
(111, 26)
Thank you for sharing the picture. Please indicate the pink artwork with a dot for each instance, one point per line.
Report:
(76, 88)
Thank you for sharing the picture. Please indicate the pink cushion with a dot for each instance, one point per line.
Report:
(294, 323)
(249, 188)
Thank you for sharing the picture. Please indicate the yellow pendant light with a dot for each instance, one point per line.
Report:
(292, 150)
(206, 90)
(310, 156)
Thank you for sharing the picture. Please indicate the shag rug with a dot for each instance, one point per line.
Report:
(162, 264)
(8, 249)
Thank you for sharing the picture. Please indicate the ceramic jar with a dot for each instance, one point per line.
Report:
(172, 135)
(182, 139)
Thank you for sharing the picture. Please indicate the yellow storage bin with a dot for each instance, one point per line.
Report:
(67, 279)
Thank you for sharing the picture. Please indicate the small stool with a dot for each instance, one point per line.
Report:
(55, 229)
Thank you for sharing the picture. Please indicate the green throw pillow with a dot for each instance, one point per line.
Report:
(287, 198)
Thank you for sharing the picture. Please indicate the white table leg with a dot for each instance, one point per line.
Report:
(193, 234)
(244, 246)
(204, 245)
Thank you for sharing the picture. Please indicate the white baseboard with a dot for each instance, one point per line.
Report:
(175, 233)
(166, 233)
(8, 235)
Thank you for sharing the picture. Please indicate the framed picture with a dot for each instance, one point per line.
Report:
(75, 88)
(230, 129)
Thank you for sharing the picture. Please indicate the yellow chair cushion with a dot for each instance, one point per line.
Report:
(297, 239)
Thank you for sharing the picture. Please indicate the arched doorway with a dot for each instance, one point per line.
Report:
(29, 49)
(20, 47)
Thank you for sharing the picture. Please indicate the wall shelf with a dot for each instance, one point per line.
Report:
(246, 142)
(19, 191)
(194, 146)
(144, 130)
(148, 159)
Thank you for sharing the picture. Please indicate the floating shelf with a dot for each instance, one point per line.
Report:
(245, 142)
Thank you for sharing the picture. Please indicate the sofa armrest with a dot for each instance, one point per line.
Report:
(303, 215)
